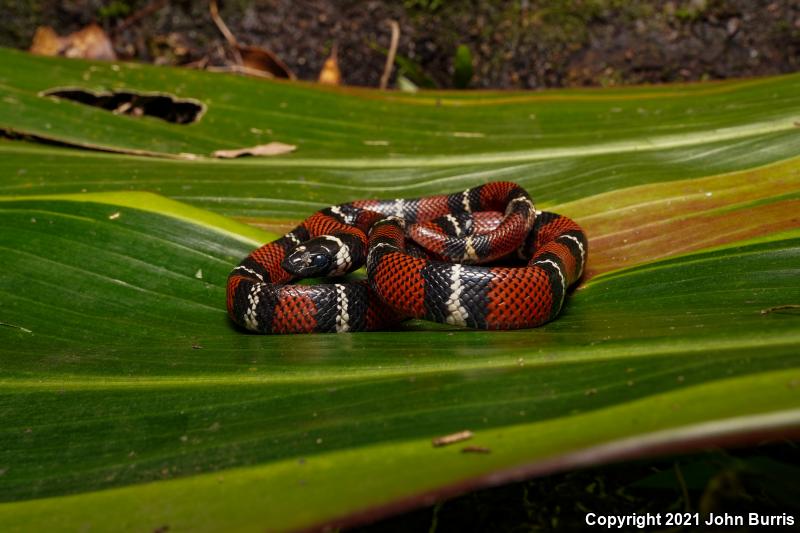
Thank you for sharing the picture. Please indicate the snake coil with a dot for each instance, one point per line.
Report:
(425, 257)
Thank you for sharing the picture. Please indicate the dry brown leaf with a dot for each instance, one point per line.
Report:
(330, 73)
(46, 42)
(251, 60)
(273, 148)
(90, 42)
(262, 60)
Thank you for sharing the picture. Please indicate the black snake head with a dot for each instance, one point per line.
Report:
(308, 261)
(325, 255)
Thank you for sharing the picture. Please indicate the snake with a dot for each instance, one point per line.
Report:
(483, 258)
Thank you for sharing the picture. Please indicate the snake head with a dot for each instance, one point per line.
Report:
(308, 261)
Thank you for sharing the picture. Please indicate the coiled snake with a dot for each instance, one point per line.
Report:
(421, 256)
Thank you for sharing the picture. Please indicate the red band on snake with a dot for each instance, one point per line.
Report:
(419, 255)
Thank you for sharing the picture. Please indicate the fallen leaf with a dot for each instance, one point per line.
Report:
(46, 42)
(406, 85)
(90, 42)
(262, 60)
(250, 60)
(273, 148)
(452, 438)
(330, 73)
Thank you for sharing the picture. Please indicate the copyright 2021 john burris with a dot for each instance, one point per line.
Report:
(642, 521)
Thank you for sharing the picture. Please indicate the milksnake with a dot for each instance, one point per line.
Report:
(421, 259)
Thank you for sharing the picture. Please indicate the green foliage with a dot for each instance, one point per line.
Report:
(462, 67)
(688, 11)
(115, 9)
(425, 5)
(557, 19)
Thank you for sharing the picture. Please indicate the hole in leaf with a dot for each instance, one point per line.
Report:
(159, 105)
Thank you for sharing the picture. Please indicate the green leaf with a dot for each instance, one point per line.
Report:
(129, 399)
(462, 67)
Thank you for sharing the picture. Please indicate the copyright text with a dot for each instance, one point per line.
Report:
(641, 521)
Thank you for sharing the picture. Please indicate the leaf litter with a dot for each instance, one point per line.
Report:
(269, 149)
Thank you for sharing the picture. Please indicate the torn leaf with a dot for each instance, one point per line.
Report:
(158, 105)
(273, 148)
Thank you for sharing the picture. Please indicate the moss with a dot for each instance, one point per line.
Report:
(423, 5)
(115, 9)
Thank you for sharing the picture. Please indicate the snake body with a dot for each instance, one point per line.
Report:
(421, 256)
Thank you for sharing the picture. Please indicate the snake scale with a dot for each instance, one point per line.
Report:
(433, 258)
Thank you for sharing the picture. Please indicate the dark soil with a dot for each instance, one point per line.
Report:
(514, 44)
(762, 479)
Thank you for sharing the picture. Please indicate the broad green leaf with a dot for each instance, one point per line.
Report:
(339, 124)
(129, 399)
